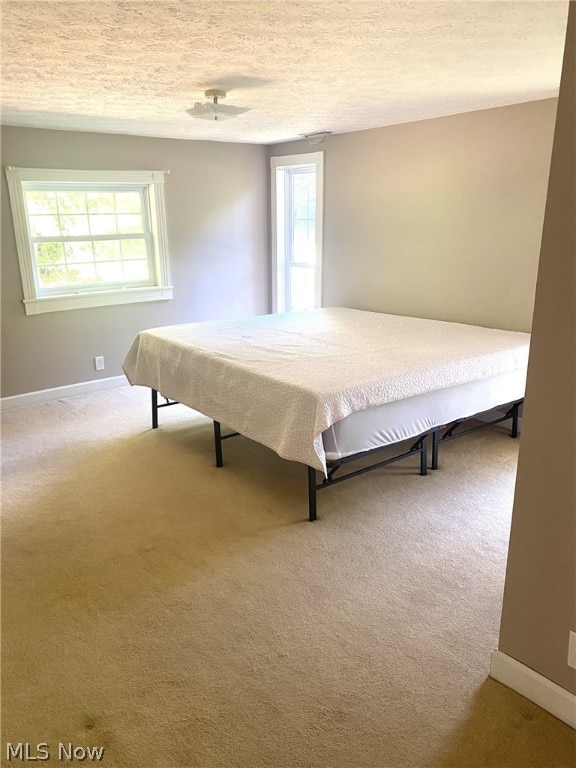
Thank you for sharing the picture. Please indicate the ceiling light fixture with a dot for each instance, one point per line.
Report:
(213, 110)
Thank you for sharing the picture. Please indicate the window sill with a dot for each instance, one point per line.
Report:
(96, 299)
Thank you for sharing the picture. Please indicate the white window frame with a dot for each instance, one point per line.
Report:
(280, 265)
(37, 302)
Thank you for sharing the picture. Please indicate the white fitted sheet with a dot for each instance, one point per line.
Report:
(392, 422)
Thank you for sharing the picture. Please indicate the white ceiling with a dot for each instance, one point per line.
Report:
(301, 65)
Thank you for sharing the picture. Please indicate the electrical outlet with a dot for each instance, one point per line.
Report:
(572, 650)
(99, 363)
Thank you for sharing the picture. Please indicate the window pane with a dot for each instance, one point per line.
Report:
(53, 277)
(78, 252)
(82, 273)
(304, 242)
(41, 201)
(128, 202)
(74, 225)
(302, 289)
(100, 202)
(49, 253)
(130, 223)
(136, 271)
(304, 193)
(44, 226)
(107, 250)
(133, 249)
(109, 271)
(102, 224)
(71, 202)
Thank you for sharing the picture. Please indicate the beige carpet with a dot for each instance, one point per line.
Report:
(184, 616)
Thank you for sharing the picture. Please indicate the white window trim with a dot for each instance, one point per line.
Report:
(278, 262)
(35, 304)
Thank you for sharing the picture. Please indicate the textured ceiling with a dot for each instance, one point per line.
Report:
(302, 66)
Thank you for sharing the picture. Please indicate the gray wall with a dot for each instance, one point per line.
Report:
(539, 606)
(439, 218)
(217, 218)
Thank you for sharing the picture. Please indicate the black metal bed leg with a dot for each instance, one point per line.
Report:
(424, 455)
(435, 444)
(218, 444)
(154, 409)
(311, 494)
(515, 409)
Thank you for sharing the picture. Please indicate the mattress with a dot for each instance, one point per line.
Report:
(404, 419)
(284, 379)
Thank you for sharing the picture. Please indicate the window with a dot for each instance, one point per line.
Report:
(297, 196)
(89, 238)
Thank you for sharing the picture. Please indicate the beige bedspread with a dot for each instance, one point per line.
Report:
(283, 379)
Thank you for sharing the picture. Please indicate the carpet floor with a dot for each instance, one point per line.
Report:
(183, 616)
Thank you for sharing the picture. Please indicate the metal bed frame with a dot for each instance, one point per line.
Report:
(450, 434)
(418, 448)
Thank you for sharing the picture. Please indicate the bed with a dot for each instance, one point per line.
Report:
(328, 386)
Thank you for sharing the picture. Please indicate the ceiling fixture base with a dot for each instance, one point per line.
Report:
(215, 93)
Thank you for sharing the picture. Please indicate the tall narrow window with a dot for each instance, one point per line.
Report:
(297, 192)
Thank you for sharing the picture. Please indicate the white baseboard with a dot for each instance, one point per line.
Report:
(543, 692)
(45, 395)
